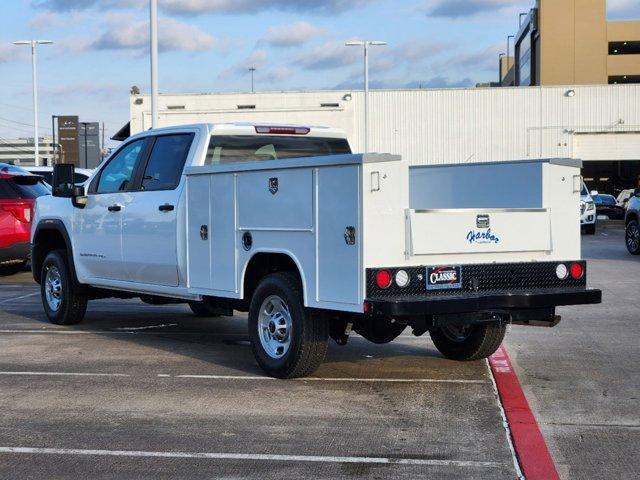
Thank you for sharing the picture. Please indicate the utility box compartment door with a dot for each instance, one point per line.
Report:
(198, 213)
(476, 231)
(276, 200)
(338, 235)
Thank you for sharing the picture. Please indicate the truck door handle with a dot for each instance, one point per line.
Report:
(166, 208)
(114, 208)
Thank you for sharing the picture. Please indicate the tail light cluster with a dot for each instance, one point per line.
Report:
(384, 278)
(575, 270)
(22, 211)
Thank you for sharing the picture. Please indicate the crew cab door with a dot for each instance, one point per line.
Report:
(97, 233)
(149, 227)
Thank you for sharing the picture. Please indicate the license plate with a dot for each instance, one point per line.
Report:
(444, 278)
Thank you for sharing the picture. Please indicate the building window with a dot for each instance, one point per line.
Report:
(246, 107)
(525, 61)
(624, 79)
(624, 48)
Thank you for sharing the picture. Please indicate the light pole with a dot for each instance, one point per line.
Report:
(253, 71)
(508, 53)
(365, 44)
(34, 44)
(500, 67)
(153, 25)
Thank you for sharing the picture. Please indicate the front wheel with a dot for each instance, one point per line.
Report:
(468, 342)
(632, 237)
(63, 305)
(590, 229)
(288, 341)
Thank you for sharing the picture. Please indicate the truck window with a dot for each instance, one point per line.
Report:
(165, 165)
(239, 148)
(116, 176)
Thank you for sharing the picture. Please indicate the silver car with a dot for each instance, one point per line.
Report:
(632, 222)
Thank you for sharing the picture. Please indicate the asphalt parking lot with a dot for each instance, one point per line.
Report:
(138, 391)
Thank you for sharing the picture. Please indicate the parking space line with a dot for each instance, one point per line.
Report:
(65, 374)
(256, 378)
(7, 300)
(252, 456)
(531, 449)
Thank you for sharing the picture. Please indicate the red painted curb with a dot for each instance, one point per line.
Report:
(531, 449)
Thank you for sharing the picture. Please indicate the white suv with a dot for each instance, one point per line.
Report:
(587, 211)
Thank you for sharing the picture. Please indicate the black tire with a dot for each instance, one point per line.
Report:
(72, 305)
(474, 343)
(204, 309)
(380, 331)
(308, 334)
(590, 229)
(12, 269)
(632, 237)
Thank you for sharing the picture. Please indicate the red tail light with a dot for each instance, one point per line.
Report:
(383, 279)
(283, 130)
(577, 271)
(21, 210)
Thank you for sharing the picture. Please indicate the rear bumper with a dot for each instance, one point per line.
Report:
(16, 252)
(482, 302)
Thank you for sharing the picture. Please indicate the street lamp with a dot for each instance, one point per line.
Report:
(500, 67)
(253, 71)
(34, 44)
(153, 25)
(365, 44)
(508, 53)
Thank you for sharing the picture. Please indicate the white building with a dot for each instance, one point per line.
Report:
(598, 124)
(20, 151)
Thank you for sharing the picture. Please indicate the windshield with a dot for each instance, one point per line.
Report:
(584, 191)
(239, 148)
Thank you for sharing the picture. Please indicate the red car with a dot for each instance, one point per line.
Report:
(18, 191)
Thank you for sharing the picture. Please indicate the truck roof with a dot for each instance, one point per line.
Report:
(250, 128)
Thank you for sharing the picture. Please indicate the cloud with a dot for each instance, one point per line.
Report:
(10, 52)
(123, 34)
(623, 9)
(295, 34)
(44, 20)
(329, 56)
(455, 9)
(105, 92)
(196, 7)
(257, 60)
(406, 54)
(277, 75)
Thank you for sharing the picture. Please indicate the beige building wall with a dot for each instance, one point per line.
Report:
(623, 32)
(573, 42)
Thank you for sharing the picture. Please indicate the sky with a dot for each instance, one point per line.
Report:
(100, 49)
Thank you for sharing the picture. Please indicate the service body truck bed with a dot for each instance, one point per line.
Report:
(314, 242)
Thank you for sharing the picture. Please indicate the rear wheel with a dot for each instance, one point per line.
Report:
(62, 304)
(468, 342)
(288, 340)
(632, 237)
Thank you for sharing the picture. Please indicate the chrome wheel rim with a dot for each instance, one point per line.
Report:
(274, 327)
(456, 333)
(53, 288)
(633, 238)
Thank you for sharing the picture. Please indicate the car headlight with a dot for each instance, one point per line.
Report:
(590, 206)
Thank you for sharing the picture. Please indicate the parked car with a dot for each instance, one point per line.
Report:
(18, 191)
(606, 206)
(588, 217)
(632, 224)
(81, 174)
(623, 197)
(314, 242)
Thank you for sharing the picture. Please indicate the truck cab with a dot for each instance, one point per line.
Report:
(286, 223)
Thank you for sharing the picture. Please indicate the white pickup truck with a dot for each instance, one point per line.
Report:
(285, 223)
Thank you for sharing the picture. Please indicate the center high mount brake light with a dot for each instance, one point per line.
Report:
(283, 130)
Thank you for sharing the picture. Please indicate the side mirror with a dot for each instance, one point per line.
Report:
(594, 193)
(62, 183)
